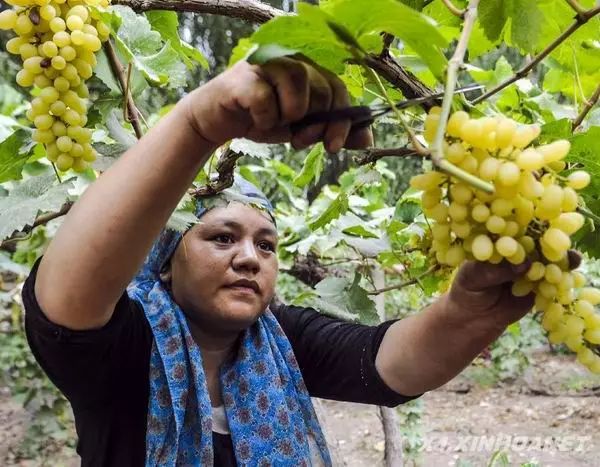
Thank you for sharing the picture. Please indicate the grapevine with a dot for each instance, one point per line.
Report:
(532, 215)
(57, 41)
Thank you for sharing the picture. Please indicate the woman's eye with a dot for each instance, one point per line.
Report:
(267, 246)
(223, 238)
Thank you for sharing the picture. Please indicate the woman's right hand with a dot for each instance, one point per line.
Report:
(259, 103)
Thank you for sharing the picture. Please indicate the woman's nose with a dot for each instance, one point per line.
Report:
(246, 257)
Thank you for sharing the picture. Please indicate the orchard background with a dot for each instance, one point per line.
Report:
(350, 225)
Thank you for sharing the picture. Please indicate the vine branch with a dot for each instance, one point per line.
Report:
(401, 285)
(576, 6)
(40, 220)
(580, 20)
(131, 110)
(374, 154)
(586, 108)
(437, 154)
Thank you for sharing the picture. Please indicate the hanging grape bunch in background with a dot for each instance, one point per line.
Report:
(532, 214)
(57, 40)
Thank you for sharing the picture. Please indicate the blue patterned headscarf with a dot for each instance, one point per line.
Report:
(271, 418)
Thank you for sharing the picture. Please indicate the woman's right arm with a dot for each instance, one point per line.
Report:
(106, 235)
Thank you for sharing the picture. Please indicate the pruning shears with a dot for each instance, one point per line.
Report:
(365, 115)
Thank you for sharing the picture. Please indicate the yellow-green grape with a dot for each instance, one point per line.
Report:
(50, 49)
(553, 274)
(427, 181)
(528, 243)
(23, 25)
(89, 153)
(547, 289)
(90, 29)
(555, 151)
(83, 68)
(77, 37)
(43, 136)
(455, 153)
(472, 132)
(495, 224)
(502, 207)
(570, 199)
(506, 246)
(69, 72)
(524, 135)
(455, 255)
(530, 159)
(521, 287)
(62, 38)
(25, 78)
(568, 222)
(64, 143)
(64, 162)
(579, 179)
(578, 279)
(13, 45)
(482, 247)
(79, 10)
(438, 213)
(536, 271)
(43, 122)
(76, 151)
(82, 91)
(103, 30)
(49, 95)
(57, 25)
(52, 152)
(27, 51)
(511, 229)
(461, 229)
(68, 53)
(8, 19)
(504, 132)
(480, 213)
(41, 81)
(93, 44)
(488, 169)
(557, 239)
(48, 12)
(71, 117)
(74, 22)
(58, 63)
(33, 64)
(79, 165)
(59, 128)
(457, 212)
(509, 173)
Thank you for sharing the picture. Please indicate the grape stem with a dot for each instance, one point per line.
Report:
(576, 6)
(586, 108)
(580, 20)
(453, 9)
(437, 155)
(586, 212)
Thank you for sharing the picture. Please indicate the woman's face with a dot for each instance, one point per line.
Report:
(223, 272)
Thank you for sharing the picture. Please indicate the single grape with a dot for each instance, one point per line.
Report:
(64, 162)
(554, 151)
(482, 247)
(506, 246)
(579, 179)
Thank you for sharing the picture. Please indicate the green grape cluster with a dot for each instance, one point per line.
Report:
(532, 214)
(57, 41)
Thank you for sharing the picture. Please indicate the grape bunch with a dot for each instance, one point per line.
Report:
(532, 215)
(56, 40)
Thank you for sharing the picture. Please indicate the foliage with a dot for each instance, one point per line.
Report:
(351, 217)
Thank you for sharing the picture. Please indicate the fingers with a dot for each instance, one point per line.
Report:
(476, 276)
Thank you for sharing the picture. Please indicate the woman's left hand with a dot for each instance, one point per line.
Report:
(482, 291)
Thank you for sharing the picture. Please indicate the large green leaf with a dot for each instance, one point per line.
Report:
(516, 21)
(27, 199)
(348, 297)
(585, 150)
(14, 152)
(313, 165)
(167, 24)
(310, 32)
(136, 40)
(336, 208)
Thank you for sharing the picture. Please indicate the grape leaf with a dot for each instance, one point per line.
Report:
(261, 54)
(13, 156)
(337, 207)
(359, 231)
(585, 148)
(558, 129)
(313, 165)
(250, 148)
(523, 16)
(29, 197)
(310, 32)
(140, 44)
(167, 24)
(347, 297)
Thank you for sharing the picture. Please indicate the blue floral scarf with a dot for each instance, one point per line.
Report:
(269, 411)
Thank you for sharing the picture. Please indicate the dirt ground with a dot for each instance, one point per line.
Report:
(550, 415)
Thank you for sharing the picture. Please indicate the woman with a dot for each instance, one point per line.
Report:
(169, 354)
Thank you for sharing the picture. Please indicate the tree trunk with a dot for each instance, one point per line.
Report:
(392, 456)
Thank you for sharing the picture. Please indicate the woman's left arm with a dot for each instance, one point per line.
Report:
(424, 351)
